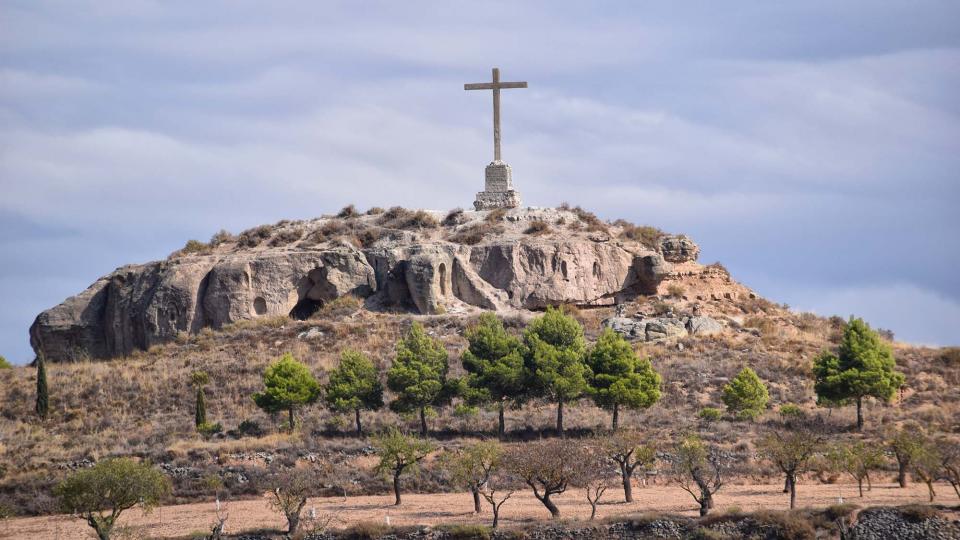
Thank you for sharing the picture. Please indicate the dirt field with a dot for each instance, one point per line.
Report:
(432, 509)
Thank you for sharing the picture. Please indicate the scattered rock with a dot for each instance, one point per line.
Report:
(663, 328)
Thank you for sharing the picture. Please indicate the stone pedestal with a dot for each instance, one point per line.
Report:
(498, 190)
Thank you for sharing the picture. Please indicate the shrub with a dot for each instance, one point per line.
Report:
(465, 532)
(400, 218)
(208, 429)
(496, 216)
(222, 237)
(340, 306)
(454, 217)
(251, 238)
(646, 235)
(675, 290)
(250, 428)
(710, 414)
(789, 411)
(194, 247)
(348, 212)
(4, 364)
(476, 233)
(286, 237)
(745, 396)
(537, 227)
(375, 211)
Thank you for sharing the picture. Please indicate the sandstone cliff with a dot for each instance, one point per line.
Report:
(424, 262)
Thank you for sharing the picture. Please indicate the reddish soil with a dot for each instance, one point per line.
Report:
(433, 509)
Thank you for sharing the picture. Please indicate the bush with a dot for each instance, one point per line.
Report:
(341, 306)
(675, 290)
(375, 211)
(789, 411)
(193, 247)
(746, 396)
(250, 428)
(537, 227)
(646, 235)
(496, 216)
(400, 218)
(286, 237)
(476, 233)
(454, 218)
(221, 237)
(208, 429)
(710, 414)
(348, 212)
(4, 364)
(251, 238)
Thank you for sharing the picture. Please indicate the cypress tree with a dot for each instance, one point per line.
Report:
(43, 396)
(200, 379)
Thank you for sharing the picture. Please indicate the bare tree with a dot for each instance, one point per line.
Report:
(549, 467)
(927, 465)
(791, 452)
(950, 462)
(289, 492)
(698, 470)
(597, 471)
(495, 495)
(471, 466)
(626, 449)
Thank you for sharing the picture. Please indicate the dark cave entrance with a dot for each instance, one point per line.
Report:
(305, 308)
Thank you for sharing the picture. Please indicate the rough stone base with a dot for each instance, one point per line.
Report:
(498, 188)
(490, 200)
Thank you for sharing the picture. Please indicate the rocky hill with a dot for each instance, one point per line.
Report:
(397, 259)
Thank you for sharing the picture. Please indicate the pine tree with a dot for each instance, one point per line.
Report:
(419, 375)
(43, 396)
(494, 361)
(745, 396)
(354, 385)
(555, 350)
(620, 377)
(863, 367)
(288, 384)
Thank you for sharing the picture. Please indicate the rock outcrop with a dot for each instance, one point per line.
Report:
(138, 306)
(662, 328)
(679, 248)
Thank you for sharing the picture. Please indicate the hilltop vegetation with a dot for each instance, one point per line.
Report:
(143, 405)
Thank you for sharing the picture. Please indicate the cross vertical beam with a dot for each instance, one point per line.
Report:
(496, 86)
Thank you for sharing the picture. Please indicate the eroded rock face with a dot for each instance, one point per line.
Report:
(141, 305)
(679, 248)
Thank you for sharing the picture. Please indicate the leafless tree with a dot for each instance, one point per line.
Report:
(627, 450)
(549, 467)
(699, 470)
(495, 495)
(791, 451)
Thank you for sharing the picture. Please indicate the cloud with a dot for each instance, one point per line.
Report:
(809, 147)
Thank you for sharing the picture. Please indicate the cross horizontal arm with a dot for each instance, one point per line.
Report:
(494, 86)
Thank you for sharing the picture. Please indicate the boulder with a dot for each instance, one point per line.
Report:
(679, 249)
(703, 326)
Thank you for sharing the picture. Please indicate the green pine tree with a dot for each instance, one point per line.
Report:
(555, 350)
(620, 377)
(43, 396)
(418, 375)
(863, 367)
(494, 362)
(745, 396)
(354, 385)
(288, 384)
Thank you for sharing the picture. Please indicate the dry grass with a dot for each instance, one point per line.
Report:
(142, 405)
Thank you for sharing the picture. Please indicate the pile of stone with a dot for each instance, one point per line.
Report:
(655, 329)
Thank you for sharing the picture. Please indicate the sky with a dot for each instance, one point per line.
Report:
(811, 147)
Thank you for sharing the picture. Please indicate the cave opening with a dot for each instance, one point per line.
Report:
(305, 308)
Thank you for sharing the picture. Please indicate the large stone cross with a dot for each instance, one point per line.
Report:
(498, 192)
(496, 85)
